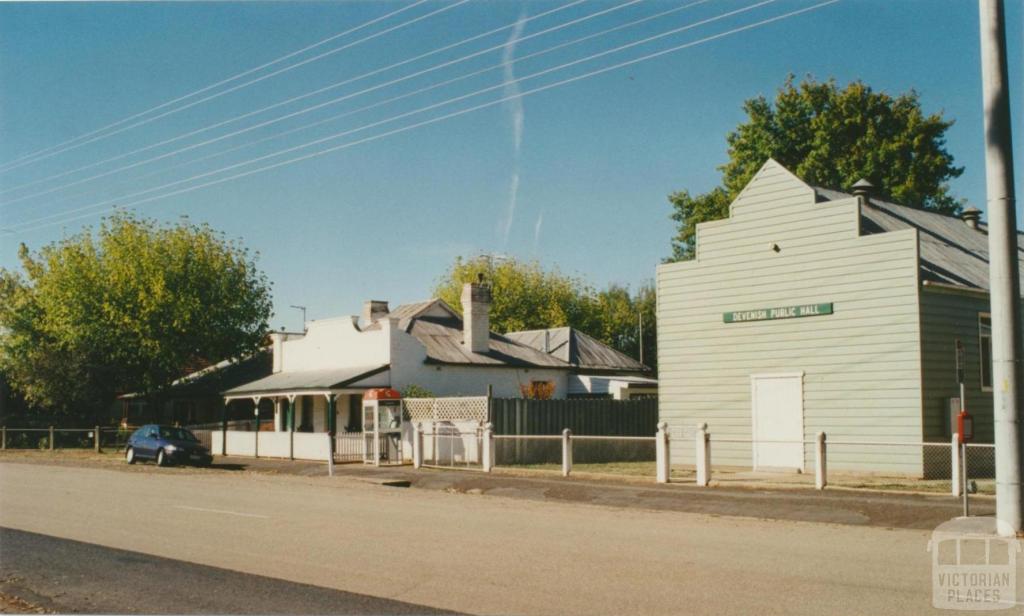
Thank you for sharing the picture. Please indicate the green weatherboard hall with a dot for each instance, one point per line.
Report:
(812, 310)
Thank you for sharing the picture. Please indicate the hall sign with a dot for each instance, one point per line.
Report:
(782, 312)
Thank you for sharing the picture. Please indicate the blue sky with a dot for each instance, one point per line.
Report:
(383, 219)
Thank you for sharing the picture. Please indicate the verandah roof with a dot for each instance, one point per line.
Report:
(304, 380)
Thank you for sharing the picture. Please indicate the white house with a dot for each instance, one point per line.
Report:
(319, 376)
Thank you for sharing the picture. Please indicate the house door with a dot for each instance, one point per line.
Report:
(778, 415)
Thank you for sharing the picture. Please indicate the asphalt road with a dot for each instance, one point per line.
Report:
(475, 553)
(64, 576)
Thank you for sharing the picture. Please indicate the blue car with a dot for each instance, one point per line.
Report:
(166, 445)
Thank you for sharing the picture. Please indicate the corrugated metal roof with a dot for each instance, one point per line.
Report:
(299, 380)
(579, 349)
(442, 337)
(212, 380)
(951, 251)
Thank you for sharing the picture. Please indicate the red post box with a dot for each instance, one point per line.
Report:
(965, 426)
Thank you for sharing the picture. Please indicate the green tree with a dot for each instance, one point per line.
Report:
(830, 137)
(526, 296)
(131, 308)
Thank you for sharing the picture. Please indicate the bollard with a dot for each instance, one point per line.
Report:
(955, 464)
(703, 455)
(820, 468)
(487, 447)
(566, 452)
(97, 439)
(417, 445)
(330, 456)
(3, 437)
(51, 438)
(662, 454)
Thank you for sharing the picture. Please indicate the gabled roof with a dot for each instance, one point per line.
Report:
(582, 351)
(439, 328)
(951, 251)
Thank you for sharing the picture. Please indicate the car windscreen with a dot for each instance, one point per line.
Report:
(177, 434)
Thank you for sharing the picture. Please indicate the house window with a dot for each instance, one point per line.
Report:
(985, 350)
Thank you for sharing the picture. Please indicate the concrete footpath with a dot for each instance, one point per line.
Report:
(771, 502)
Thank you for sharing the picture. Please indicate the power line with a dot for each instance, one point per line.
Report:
(237, 87)
(402, 96)
(443, 103)
(416, 111)
(214, 85)
(301, 97)
(424, 122)
(422, 109)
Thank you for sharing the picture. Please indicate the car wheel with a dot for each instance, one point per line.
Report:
(161, 458)
(129, 455)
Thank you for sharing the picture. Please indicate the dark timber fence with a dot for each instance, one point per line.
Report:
(585, 417)
(592, 417)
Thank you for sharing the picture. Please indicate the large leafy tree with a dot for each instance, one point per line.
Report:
(129, 308)
(830, 137)
(528, 296)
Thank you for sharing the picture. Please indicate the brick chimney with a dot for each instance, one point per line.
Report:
(374, 309)
(476, 316)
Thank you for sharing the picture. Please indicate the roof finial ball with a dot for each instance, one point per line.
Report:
(971, 216)
(863, 189)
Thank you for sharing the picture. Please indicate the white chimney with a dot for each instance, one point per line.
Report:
(277, 339)
(476, 316)
(373, 310)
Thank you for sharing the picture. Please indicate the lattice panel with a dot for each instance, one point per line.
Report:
(453, 409)
(418, 409)
(445, 409)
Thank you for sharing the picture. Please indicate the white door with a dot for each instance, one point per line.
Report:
(778, 410)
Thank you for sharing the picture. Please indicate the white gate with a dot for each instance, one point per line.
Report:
(452, 428)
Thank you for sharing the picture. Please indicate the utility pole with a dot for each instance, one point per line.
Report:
(1003, 266)
(640, 337)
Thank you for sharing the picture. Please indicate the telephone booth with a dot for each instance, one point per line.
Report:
(382, 427)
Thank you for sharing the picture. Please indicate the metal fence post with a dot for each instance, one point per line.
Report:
(566, 452)
(662, 453)
(820, 462)
(488, 448)
(417, 444)
(97, 439)
(703, 455)
(955, 464)
(51, 438)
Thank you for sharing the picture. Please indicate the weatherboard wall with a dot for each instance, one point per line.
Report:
(861, 364)
(947, 316)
